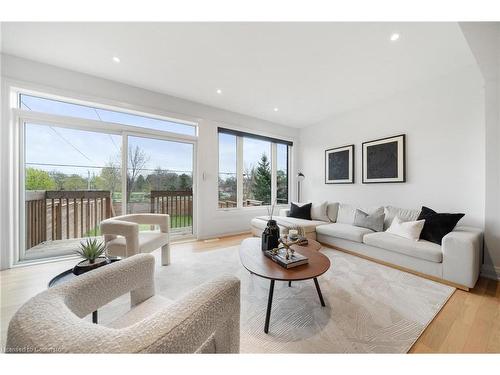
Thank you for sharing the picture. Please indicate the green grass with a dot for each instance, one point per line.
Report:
(178, 221)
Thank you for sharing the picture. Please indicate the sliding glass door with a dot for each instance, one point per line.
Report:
(72, 181)
(74, 177)
(160, 180)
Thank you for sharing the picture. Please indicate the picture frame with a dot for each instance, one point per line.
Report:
(384, 160)
(339, 165)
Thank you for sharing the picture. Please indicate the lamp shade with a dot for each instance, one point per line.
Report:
(300, 176)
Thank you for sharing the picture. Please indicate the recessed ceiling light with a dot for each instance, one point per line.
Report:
(276, 109)
(219, 91)
(116, 59)
(394, 37)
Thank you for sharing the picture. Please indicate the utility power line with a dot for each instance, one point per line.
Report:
(97, 166)
(63, 138)
(109, 135)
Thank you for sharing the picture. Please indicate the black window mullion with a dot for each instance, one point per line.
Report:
(239, 133)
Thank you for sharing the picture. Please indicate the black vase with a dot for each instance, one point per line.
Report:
(270, 236)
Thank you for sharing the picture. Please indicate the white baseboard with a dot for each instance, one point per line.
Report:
(490, 272)
(222, 235)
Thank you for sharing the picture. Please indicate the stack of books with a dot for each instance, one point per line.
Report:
(293, 260)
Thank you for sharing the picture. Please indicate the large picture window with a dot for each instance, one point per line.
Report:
(253, 170)
(256, 172)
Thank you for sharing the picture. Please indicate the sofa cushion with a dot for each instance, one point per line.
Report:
(288, 222)
(332, 210)
(319, 211)
(405, 214)
(344, 231)
(418, 249)
(374, 222)
(300, 211)
(346, 212)
(437, 225)
(406, 229)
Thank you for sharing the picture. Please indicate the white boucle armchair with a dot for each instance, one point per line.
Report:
(207, 320)
(122, 236)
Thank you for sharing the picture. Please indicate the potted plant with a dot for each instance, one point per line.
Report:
(93, 252)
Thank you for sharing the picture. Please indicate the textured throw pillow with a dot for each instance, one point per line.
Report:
(405, 214)
(332, 211)
(300, 212)
(318, 211)
(437, 225)
(346, 212)
(374, 222)
(406, 229)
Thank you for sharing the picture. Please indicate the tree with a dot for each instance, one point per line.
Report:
(261, 187)
(110, 178)
(227, 189)
(36, 179)
(75, 182)
(170, 181)
(137, 159)
(185, 182)
(248, 182)
(141, 184)
(58, 178)
(282, 187)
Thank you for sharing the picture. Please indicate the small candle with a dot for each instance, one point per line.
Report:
(293, 233)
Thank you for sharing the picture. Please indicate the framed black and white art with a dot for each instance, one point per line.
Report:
(384, 160)
(339, 165)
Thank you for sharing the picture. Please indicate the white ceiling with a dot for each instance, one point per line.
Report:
(308, 70)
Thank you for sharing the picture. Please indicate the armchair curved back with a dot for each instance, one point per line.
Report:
(206, 320)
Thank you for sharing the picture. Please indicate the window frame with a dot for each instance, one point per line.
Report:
(99, 106)
(18, 117)
(240, 135)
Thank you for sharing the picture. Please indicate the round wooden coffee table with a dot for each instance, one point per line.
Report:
(254, 260)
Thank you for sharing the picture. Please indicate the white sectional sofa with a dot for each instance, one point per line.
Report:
(457, 261)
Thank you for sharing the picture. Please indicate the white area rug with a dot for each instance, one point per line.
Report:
(370, 308)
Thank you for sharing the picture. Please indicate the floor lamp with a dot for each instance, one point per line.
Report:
(300, 178)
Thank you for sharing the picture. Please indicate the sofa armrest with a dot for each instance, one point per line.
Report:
(92, 290)
(462, 255)
(111, 228)
(207, 319)
(162, 220)
(284, 212)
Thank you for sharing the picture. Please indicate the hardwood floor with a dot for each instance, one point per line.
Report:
(468, 323)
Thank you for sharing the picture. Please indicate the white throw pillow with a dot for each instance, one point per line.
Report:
(318, 211)
(405, 214)
(406, 229)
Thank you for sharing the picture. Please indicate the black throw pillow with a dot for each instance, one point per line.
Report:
(300, 212)
(437, 225)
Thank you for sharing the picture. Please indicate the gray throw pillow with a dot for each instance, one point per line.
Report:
(374, 221)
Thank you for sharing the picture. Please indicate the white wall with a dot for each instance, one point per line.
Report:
(211, 221)
(444, 125)
(484, 41)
